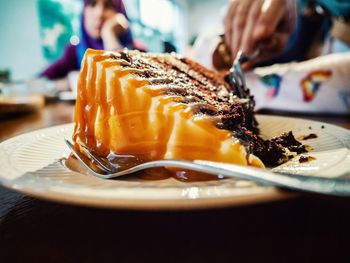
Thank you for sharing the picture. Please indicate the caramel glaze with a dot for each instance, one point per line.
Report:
(151, 107)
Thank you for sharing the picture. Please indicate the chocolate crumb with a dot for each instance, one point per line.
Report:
(307, 137)
(304, 159)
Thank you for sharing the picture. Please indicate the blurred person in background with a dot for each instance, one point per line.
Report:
(104, 25)
(285, 31)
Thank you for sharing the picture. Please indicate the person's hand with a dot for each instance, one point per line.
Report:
(111, 29)
(263, 24)
(116, 25)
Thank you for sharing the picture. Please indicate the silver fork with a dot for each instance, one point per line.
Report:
(236, 75)
(338, 186)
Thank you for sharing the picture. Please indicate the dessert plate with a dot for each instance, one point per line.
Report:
(34, 164)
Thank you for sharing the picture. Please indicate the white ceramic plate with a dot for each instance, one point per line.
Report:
(32, 164)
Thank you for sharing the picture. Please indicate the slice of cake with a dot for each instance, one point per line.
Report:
(168, 107)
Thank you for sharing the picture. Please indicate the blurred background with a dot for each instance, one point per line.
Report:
(35, 32)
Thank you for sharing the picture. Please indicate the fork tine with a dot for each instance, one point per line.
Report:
(77, 155)
(236, 76)
(104, 165)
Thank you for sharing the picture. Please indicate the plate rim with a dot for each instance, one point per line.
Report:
(273, 195)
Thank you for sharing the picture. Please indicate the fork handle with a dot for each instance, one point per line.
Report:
(322, 185)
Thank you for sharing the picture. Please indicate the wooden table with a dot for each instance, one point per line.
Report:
(309, 228)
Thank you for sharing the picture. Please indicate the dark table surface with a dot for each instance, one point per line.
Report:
(308, 228)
